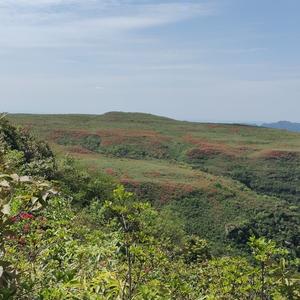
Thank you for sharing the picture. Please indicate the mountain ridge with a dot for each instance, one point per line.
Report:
(284, 125)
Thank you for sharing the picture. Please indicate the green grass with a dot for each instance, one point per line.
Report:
(256, 138)
(217, 176)
(246, 153)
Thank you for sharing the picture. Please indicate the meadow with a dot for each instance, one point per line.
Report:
(225, 181)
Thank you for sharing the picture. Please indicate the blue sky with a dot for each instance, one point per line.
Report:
(198, 60)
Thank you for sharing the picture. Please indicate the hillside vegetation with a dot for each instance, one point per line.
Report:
(71, 234)
(225, 182)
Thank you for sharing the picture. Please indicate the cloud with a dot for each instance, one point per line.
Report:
(39, 3)
(48, 23)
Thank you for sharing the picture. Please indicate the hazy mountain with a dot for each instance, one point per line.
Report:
(284, 125)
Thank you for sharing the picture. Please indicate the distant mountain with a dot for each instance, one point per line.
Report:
(290, 126)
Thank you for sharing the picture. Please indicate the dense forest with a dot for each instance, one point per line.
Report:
(71, 233)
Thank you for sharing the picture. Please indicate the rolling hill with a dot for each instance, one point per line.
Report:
(285, 125)
(225, 181)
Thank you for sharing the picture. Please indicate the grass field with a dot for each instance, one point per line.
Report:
(219, 177)
(235, 139)
(246, 153)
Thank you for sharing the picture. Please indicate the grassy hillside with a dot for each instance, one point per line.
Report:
(225, 181)
(118, 246)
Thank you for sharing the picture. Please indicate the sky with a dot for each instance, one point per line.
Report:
(214, 60)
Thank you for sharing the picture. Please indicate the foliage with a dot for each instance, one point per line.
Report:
(22, 152)
(117, 246)
(21, 198)
(83, 186)
(282, 225)
(90, 142)
(189, 166)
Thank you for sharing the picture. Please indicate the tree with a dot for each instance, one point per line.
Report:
(134, 220)
(275, 271)
(16, 206)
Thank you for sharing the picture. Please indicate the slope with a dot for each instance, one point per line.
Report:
(182, 166)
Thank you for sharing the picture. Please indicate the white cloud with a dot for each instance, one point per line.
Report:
(39, 3)
(48, 23)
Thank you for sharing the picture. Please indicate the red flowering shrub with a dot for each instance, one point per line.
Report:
(208, 149)
(22, 216)
(198, 153)
(26, 216)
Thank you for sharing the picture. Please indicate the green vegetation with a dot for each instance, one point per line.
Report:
(265, 160)
(225, 182)
(71, 234)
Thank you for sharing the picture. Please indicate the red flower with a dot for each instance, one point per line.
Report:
(22, 216)
(26, 216)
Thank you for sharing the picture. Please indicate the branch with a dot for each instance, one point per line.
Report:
(3, 115)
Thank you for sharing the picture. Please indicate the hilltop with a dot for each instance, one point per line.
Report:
(225, 181)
